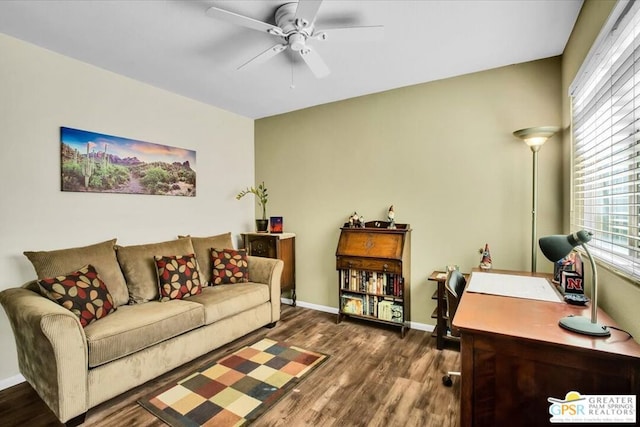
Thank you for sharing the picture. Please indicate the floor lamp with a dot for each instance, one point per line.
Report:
(535, 139)
(557, 247)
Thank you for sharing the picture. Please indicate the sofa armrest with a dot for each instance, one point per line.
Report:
(52, 350)
(269, 271)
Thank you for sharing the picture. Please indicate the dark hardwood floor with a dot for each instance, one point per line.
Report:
(372, 378)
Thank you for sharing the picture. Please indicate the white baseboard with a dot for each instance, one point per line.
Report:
(286, 301)
(317, 307)
(413, 325)
(11, 381)
(422, 326)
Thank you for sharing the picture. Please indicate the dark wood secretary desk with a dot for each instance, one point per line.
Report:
(375, 251)
(515, 356)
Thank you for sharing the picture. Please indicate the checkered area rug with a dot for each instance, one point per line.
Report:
(236, 389)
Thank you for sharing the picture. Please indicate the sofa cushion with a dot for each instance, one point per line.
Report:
(138, 326)
(102, 256)
(139, 268)
(82, 292)
(223, 301)
(178, 276)
(202, 247)
(229, 266)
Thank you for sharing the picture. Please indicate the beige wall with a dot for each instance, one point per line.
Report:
(619, 297)
(41, 91)
(442, 153)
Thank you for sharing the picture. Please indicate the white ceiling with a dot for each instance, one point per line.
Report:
(173, 44)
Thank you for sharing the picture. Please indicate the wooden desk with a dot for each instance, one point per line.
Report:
(514, 356)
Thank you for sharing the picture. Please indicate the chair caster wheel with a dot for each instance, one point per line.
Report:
(446, 380)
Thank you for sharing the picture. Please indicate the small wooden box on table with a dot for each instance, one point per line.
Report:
(279, 246)
(373, 266)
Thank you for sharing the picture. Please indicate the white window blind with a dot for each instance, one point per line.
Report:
(606, 142)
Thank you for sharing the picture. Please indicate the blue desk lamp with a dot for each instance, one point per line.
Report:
(557, 247)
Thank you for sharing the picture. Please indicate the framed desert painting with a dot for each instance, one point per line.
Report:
(94, 162)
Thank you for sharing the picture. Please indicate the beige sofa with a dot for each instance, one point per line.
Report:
(74, 369)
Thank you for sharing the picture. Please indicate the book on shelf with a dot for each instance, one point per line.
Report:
(397, 313)
(371, 282)
(352, 304)
(384, 309)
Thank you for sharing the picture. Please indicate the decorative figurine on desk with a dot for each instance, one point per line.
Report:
(356, 221)
(391, 216)
(485, 263)
(572, 262)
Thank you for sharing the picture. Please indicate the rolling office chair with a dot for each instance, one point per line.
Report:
(454, 288)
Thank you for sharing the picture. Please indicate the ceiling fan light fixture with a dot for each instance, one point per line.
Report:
(297, 42)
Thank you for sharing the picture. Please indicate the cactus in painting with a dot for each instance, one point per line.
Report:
(87, 168)
(105, 160)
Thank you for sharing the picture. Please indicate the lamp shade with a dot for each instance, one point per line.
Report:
(558, 246)
(555, 248)
(537, 136)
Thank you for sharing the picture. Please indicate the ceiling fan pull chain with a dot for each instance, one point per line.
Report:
(293, 86)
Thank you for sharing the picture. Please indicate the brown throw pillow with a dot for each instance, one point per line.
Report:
(82, 292)
(202, 248)
(178, 276)
(102, 256)
(229, 266)
(139, 267)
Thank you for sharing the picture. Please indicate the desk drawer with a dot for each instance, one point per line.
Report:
(385, 266)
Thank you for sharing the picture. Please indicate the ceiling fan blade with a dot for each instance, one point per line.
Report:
(245, 21)
(351, 34)
(315, 62)
(264, 56)
(307, 11)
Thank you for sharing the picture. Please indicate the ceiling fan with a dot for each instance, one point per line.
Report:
(295, 27)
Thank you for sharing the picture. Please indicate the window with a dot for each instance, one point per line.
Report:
(605, 100)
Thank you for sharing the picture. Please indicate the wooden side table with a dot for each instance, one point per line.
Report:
(440, 313)
(280, 246)
(441, 331)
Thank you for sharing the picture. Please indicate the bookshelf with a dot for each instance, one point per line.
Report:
(373, 265)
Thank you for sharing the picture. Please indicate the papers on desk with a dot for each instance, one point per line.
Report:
(509, 285)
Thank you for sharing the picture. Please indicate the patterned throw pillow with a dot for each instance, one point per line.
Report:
(82, 292)
(178, 276)
(229, 266)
